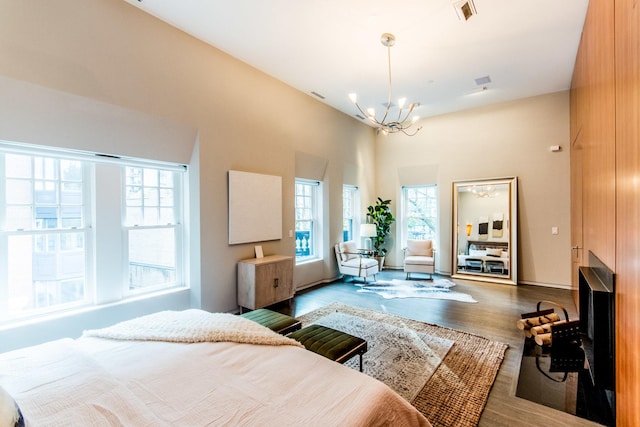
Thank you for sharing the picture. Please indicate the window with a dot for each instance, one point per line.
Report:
(44, 234)
(49, 224)
(420, 212)
(349, 211)
(152, 229)
(307, 224)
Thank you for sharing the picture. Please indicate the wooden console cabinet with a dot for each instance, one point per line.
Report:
(264, 281)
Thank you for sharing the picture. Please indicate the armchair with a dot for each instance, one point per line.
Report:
(353, 263)
(420, 257)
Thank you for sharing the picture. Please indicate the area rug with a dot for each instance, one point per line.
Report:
(436, 289)
(400, 357)
(456, 393)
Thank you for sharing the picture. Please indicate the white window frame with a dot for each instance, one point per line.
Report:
(33, 232)
(351, 211)
(175, 225)
(106, 260)
(407, 211)
(313, 218)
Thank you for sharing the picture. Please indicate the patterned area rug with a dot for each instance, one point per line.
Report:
(436, 289)
(457, 391)
(400, 357)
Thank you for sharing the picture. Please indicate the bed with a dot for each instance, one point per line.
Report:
(195, 369)
(486, 257)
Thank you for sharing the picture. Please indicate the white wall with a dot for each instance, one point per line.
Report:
(107, 77)
(510, 139)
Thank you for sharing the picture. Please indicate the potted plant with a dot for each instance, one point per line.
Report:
(380, 215)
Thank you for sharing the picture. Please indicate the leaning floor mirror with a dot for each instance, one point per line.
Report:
(485, 230)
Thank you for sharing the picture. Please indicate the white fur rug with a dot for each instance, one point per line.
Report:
(436, 289)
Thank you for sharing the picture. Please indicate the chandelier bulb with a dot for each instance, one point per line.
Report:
(353, 97)
(388, 39)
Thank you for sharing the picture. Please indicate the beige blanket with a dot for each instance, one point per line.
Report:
(191, 326)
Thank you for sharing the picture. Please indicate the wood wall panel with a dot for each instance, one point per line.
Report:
(578, 107)
(627, 52)
(605, 163)
(577, 245)
(598, 132)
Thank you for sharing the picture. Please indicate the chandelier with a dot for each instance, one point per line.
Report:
(402, 122)
(484, 191)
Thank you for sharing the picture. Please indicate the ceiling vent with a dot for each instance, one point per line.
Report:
(465, 9)
(483, 81)
(316, 94)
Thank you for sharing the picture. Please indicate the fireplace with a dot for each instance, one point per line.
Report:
(578, 378)
(597, 323)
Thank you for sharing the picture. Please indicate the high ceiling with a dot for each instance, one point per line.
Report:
(332, 47)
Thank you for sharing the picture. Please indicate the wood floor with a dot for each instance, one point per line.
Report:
(494, 317)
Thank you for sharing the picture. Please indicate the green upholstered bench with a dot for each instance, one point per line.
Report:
(277, 322)
(335, 345)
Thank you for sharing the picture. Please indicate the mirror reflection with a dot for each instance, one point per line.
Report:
(484, 230)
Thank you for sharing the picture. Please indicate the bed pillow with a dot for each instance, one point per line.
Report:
(477, 252)
(10, 414)
(494, 252)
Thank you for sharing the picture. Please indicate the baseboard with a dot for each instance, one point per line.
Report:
(443, 273)
(401, 268)
(545, 285)
(318, 282)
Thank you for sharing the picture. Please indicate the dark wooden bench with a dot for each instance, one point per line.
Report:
(330, 343)
(473, 264)
(494, 266)
(277, 322)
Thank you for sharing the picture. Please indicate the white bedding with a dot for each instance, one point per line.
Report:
(190, 326)
(103, 382)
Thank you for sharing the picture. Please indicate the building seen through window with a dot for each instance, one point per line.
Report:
(420, 212)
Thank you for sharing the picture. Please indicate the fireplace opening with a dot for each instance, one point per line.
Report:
(597, 320)
(578, 379)
(596, 286)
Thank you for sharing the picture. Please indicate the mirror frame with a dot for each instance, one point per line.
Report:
(511, 228)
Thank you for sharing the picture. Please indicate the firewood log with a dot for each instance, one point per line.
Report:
(530, 322)
(546, 328)
(543, 339)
